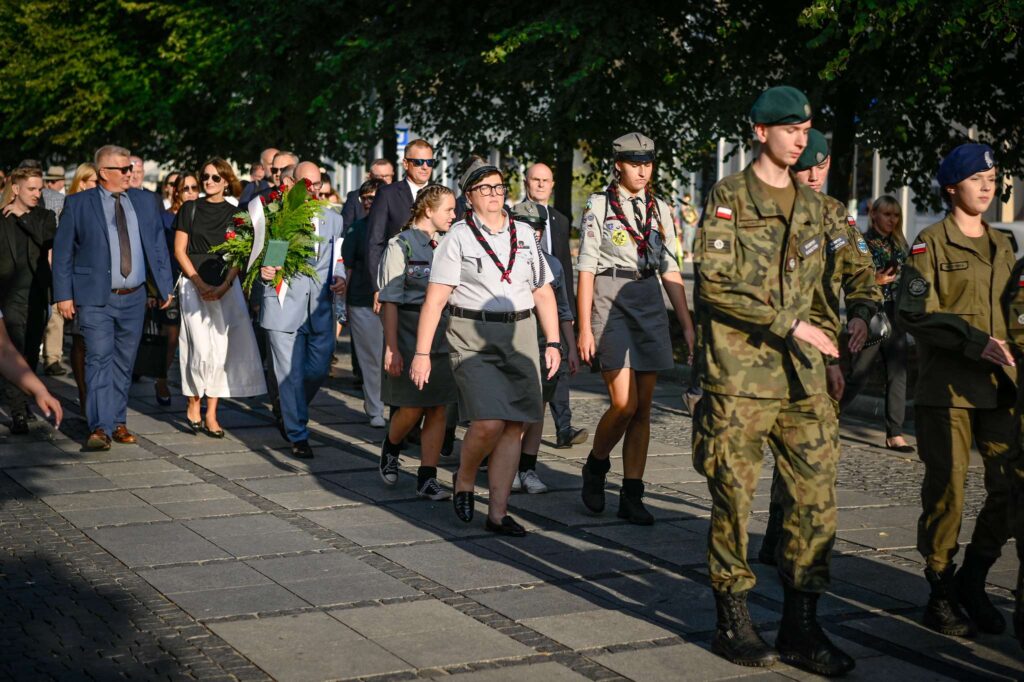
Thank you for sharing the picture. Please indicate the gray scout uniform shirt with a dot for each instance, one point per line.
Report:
(461, 262)
(605, 244)
(405, 268)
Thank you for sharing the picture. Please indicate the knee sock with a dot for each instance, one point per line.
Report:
(424, 473)
(527, 462)
(598, 466)
(633, 487)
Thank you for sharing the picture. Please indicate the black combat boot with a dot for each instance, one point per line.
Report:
(943, 614)
(735, 638)
(631, 503)
(970, 592)
(801, 641)
(594, 472)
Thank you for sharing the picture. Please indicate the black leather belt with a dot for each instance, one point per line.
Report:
(125, 292)
(622, 273)
(489, 316)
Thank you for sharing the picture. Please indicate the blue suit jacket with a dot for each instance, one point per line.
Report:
(81, 249)
(306, 298)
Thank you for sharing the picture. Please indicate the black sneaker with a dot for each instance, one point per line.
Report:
(388, 466)
(301, 450)
(55, 369)
(432, 490)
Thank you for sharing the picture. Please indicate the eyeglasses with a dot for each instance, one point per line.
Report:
(190, 188)
(429, 163)
(488, 190)
(275, 171)
(317, 185)
(125, 170)
(207, 176)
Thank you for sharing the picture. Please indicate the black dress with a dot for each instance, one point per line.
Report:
(206, 225)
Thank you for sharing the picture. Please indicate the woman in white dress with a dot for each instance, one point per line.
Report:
(217, 347)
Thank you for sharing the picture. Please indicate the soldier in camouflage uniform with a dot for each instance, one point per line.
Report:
(763, 256)
(950, 299)
(1014, 306)
(848, 270)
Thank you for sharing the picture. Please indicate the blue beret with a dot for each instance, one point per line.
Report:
(781, 105)
(814, 153)
(965, 161)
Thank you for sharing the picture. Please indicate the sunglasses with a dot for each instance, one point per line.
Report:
(206, 176)
(275, 171)
(324, 195)
(190, 188)
(125, 170)
(429, 163)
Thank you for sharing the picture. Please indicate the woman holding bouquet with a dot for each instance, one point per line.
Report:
(217, 347)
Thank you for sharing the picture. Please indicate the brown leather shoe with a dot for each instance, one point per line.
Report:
(98, 440)
(122, 435)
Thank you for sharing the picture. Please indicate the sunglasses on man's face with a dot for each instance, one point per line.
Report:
(275, 171)
(206, 176)
(125, 170)
(429, 163)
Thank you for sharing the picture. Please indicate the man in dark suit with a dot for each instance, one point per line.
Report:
(353, 210)
(540, 183)
(28, 230)
(392, 208)
(109, 239)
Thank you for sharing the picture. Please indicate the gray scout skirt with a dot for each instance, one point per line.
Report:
(400, 391)
(497, 369)
(631, 325)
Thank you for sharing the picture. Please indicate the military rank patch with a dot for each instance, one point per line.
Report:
(917, 287)
(836, 244)
(723, 212)
(620, 238)
(720, 245)
(851, 221)
(810, 246)
(950, 267)
(918, 248)
(862, 245)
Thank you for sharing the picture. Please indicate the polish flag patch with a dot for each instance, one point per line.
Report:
(1020, 282)
(918, 248)
(723, 212)
(851, 221)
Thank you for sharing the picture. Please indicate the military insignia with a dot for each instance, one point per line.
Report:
(719, 245)
(1020, 282)
(862, 245)
(820, 157)
(989, 161)
(619, 237)
(836, 244)
(851, 221)
(917, 286)
(791, 265)
(1020, 319)
(810, 246)
(807, 110)
(952, 267)
(918, 249)
(723, 212)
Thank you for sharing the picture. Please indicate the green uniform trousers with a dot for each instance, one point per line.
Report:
(729, 440)
(944, 438)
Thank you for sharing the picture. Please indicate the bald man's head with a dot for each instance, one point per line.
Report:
(307, 170)
(540, 182)
(267, 157)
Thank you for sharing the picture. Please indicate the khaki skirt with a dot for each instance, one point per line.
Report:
(497, 369)
(630, 325)
(400, 391)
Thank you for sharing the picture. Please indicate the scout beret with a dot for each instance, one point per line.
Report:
(781, 105)
(530, 212)
(477, 170)
(634, 147)
(815, 152)
(965, 161)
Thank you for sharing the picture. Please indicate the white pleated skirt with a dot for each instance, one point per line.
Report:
(217, 346)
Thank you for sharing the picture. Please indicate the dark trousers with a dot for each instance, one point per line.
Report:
(893, 352)
(25, 314)
(560, 410)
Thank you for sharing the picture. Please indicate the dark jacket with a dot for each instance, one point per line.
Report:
(35, 229)
(390, 213)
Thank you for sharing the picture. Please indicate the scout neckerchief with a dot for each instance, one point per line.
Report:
(506, 273)
(642, 239)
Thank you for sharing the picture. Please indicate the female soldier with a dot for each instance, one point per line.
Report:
(490, 267)
(950, 300)
(404, 273)
(622, 319)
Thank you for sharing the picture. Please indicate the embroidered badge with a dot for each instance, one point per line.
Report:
(723, 212)
(918, 248)
(620, 238)
(791, 265)
(836, 244)
(917, 287)
(1020, 319)
(719, 245)
(862, 245)
(810, 246)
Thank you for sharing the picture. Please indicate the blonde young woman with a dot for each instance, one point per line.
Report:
(217, 348)
(402, 281)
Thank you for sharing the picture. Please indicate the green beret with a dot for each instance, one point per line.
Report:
(815, 152)
(781, 105)
(530, 212)
(635, 147)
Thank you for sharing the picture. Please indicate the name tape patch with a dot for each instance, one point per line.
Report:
(810, 246)
(837, 243)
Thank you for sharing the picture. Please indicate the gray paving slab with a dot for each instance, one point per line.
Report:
(272, 462)
(299, 492)
(144, 473)
(566, 507)
(563, 555)
(57, 480)
(987, 656)
(535, 601)
(598, 629)
(156, 543)
(114, 516)
(679, 662)
(255, 535)
(373, 526)
(207, 508)
(100, 500)
(198, 492)
(308, 647)
(667, 541)
(423, 633)
(549, 672)
(441, 517)
(888, 538)
(213, 576)
(463, 565)
(366, 485)
(237, 601)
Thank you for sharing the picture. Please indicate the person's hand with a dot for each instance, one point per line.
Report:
(338, 286)
(217, 293)
(834, 382)
(808, 333)
(50, 406)
(690, 336)
(574, 360)
(586, 346)
(885, 276)
(552, 359)
(268, 273)
(419, 370)
(392, 361)
(376, 303)
(202, 288)
(66, 309)
(167, 303)
(858, 329)
(998, 352)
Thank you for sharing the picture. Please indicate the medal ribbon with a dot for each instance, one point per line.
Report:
(506, 273)
(642, 240)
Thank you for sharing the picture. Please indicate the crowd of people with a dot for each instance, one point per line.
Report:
(464, 310)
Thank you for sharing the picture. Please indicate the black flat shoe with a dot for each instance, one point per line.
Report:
(463, 502)
(301, 450)
(196, 427)
(900, 448)
(218, 433)
(508, 526)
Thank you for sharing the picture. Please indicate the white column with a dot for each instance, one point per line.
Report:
(720, 167)
(876, 175)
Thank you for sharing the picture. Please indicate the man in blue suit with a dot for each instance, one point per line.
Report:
(300, 329)
(108, 240)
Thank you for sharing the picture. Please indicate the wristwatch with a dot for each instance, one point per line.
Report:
(554, 344)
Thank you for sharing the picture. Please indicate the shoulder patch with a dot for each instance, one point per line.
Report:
(917, 287)
(723, 212)
(862, 245)
(851, 221)
(837, 243)
(1020, 282)
(918, 248)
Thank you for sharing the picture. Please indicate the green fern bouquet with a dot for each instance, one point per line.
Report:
(285, 215)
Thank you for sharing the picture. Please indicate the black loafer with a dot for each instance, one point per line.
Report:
(463, 502)
(19, 424)
(301, 450)
(508, 526)
(567, 439)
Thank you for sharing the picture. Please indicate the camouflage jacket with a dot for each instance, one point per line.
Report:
(758, 276)
(952, 298)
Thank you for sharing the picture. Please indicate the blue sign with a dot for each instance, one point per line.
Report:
(403, 136)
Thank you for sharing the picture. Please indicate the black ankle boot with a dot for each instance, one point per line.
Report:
(735, 638)
(593, 483)
(970, 592)
(631, 503)
(801, 641)
(943, 614)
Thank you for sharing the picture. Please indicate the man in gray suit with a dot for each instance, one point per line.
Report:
(300, 328)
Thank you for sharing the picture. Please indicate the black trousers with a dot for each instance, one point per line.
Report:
(25, 316)
(893, 354)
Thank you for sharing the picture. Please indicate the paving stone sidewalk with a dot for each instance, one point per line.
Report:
(186, 557)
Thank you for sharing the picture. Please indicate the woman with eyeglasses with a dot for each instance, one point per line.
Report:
(489, 269)
(626, 240)
(218, 353)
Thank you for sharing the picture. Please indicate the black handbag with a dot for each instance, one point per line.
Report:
(151, 360)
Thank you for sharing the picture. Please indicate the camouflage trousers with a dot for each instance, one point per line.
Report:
(944, 439)
(728, 447)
